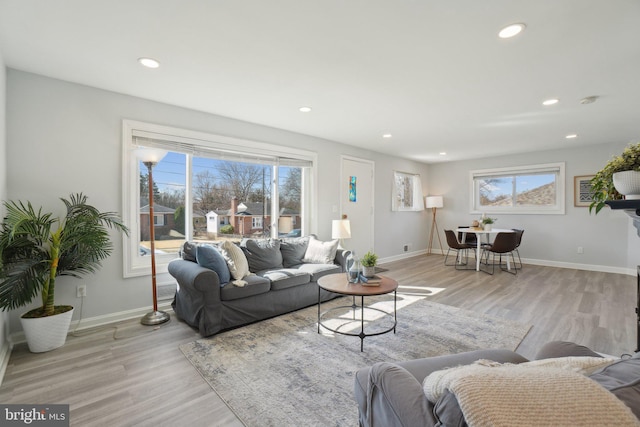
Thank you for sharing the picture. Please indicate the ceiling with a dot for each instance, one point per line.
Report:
(433, 74)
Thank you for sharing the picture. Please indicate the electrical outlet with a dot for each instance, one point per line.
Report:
(580, 250)
(405, 248)
(81, 291)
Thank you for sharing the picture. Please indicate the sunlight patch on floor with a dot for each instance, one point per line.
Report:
(345, 319)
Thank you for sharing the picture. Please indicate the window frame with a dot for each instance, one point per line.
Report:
(556, 168)
(256, 222)
(135, 265)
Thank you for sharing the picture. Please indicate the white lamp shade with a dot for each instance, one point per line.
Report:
(435, 202)
(340, 229)
(150, 155)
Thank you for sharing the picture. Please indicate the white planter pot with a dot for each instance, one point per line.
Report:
(368, 271)
(487, 227)
(628, 184)
(46, 333)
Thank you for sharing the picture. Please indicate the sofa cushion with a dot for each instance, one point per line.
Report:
(188, 251)
(262, 254)
(564, 348)
(623, 380)
(255, 285)
(211, 258)
(293, 250)
(236, 260)
(286, 278)
(319, 252)
(318, 270)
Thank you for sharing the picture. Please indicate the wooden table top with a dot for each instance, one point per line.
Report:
(338, 283)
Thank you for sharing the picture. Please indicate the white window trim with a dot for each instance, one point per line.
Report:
(133, 264)
(256, 222)
(558, 209)
(158, 220)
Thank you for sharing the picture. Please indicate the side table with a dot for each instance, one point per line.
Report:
(338, 283)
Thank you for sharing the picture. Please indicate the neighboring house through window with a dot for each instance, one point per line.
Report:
(204, 174)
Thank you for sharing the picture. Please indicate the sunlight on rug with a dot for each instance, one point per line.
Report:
(281, 372)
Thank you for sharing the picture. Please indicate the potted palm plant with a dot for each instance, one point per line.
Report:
(369, 262)
(36, 248)
(617, 178)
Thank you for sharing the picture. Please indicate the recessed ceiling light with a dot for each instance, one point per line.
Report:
(551, 101)
(443, 153)
(572, 136)
(511, 31)
(304, 109)
(387, 135)
(149, 62)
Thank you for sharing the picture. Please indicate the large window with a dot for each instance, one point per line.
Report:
(525, 189)
(210, 188)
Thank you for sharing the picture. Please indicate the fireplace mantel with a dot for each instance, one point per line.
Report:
(630, 207)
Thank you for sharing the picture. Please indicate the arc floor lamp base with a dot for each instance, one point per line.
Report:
(155, 318)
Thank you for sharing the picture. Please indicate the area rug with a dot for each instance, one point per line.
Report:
(281, 372)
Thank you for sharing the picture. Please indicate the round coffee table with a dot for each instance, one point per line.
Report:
(338, 283)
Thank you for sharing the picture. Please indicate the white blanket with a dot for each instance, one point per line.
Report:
(492, 395)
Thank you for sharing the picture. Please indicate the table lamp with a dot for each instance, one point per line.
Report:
(341, 229)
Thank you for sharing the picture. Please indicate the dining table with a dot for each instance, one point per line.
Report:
(480, 232)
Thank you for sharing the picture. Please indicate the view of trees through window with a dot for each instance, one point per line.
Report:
(229, 200)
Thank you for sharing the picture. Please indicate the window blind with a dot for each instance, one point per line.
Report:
(214, 150)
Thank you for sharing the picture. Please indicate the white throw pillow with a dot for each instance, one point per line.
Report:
(236, 260)
(319, 252)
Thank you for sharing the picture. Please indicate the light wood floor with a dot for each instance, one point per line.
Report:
(132, 375)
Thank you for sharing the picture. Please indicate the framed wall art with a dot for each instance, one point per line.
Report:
(582, 192)
(407, 192)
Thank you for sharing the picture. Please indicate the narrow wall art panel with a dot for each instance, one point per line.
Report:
(352, 189)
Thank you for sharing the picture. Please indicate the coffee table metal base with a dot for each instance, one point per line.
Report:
(362, 308)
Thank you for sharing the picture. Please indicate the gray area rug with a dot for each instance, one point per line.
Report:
(281, 372)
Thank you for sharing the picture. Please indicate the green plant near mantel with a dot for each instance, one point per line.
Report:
(489, 220)
(369, 259)
(602, 183)
(36, 248)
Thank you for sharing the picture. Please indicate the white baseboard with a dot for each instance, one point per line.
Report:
(544, 263)
(402, 256)
(576, 266)
(93, 322)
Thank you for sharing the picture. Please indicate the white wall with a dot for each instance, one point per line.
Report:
(64, 138)
(609, 240)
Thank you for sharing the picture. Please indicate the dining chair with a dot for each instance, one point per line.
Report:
(470, 238)
(519, 233)
(504, 243)
(461, 250)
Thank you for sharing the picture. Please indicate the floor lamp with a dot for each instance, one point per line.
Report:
(150, 157)
(434, 202)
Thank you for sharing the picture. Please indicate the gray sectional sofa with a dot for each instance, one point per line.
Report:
(222, 286)
(392, 394)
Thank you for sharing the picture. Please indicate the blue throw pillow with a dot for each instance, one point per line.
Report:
(209, 257)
